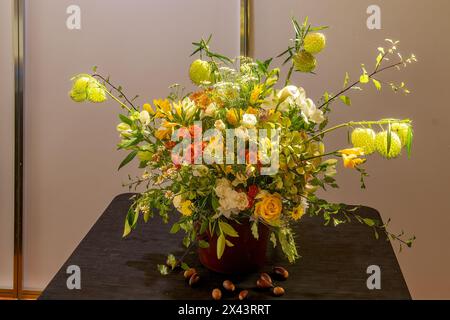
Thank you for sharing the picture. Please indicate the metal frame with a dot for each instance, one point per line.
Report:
(19, 72)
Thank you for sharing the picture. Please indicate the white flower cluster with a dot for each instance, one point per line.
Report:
(230, 201)
(291, 96)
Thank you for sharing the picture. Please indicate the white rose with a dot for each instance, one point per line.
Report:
(219, 125)
(242, 201)
(249, 120)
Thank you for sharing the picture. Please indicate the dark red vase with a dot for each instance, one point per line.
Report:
(246, 256)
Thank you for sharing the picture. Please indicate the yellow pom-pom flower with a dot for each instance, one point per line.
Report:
(365, 139)
(381, 143)
(304, 61)
(200, 72)
(314, 42)
(95, 93)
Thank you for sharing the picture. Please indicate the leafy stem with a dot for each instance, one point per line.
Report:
(118, 89)
(375, 72)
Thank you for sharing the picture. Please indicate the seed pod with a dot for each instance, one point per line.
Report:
(278, 291)
(263, 284)
(243, 295)
(216, 294)
(194, 279)
(189, 272)
(266, 277)
(229, 286)
(281, 273)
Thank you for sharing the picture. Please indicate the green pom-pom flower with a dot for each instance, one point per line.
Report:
(365, 139)
(304, 61)
(95, 93)
(81, 84)
(381, 143)
(314, 42)
(200, 71)
(401, 129)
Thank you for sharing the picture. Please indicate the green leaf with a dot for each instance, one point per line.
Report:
(389, 138)
(409, 140)
(229, 243)
(162, 268)
(214, 202)
(377, 84)
(346, 100)
(146, 217)
(94, 69)
(127, 229)
(220, 245)
(369, 222)
(203, 227)
(273, 239)
(364, 78)
(127, 159)
(203, 244)
(125, 119)
(346, 80)
(379, 59)
(175, 228)
(255, 232)
(184, 266)
(227, 229)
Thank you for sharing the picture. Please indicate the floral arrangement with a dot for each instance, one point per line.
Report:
(280, 161)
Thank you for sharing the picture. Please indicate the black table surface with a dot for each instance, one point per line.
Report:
(333, 265)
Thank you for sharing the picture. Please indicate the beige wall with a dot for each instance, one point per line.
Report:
(70, 158)
(414, 193)
(6, 146)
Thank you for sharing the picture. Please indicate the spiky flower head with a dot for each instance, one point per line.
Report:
(381, 143)
(364, 138)
(402, 130)
(304, 61)
(314, 42)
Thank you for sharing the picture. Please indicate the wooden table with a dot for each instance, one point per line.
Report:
(333, 265)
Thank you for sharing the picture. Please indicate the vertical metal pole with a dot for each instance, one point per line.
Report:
(18, 38)
(245, 27)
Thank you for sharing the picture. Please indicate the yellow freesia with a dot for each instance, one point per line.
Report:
(351, 156)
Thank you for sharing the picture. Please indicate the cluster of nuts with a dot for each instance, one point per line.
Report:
(264, 282)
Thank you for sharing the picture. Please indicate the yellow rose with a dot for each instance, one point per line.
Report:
(269, 207)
